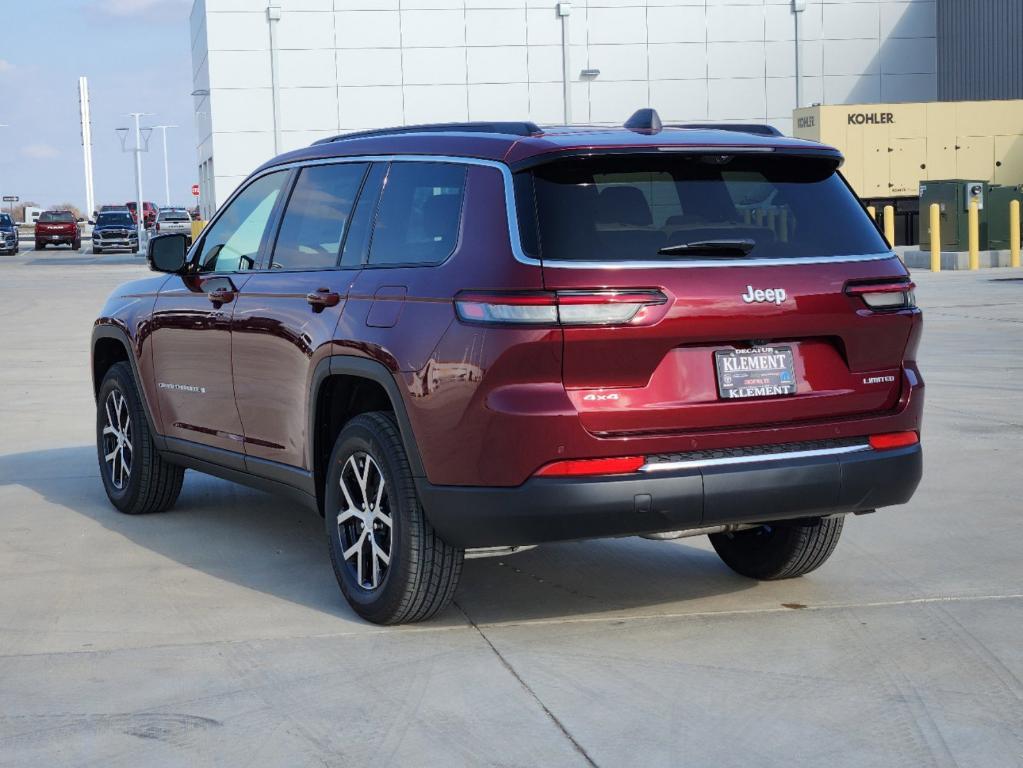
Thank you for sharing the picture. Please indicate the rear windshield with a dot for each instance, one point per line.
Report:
(635, 208)
(115, 218)
(56, 216)
(173, 216)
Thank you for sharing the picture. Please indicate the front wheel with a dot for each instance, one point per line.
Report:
(136, 478)
(781, 550)
(390, 564)
(96, 251)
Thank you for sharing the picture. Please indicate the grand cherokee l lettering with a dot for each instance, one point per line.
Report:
(469, 336)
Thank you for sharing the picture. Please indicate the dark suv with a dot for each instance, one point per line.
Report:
(8, 235)
(488, 336)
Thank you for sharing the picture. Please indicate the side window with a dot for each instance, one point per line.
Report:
(419, 213)
(232, 243)
(316, 217)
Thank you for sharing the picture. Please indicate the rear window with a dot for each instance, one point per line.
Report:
(52, 216)
(174, 216)
(633, 208)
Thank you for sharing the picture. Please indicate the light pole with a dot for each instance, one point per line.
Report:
(166, 176)
(141, 135)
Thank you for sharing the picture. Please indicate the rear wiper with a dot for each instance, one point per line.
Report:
(722, 248)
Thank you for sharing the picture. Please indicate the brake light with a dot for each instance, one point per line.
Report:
(561, 307)
(621, 465)
(891, 440)
(885, 296)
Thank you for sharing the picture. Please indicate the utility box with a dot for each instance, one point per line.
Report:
(998, 199)
(953, 197)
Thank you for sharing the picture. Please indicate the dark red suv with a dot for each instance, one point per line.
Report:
(479, 337)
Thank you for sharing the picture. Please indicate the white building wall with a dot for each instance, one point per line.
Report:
(350, 64)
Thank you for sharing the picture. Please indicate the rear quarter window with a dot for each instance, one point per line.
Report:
(628, 208)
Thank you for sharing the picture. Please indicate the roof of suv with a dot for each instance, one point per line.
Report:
(518, 145)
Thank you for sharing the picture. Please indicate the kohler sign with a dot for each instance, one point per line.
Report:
(871, 118)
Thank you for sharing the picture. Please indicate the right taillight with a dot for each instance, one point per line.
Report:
(887, 296)
(566, 308)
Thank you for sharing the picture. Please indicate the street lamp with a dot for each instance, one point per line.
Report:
(166, 176)
(141, 145)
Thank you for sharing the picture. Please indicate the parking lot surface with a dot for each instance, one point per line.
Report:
(214, 634)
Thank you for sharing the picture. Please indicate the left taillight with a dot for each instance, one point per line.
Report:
(566, 308)
(885, 296)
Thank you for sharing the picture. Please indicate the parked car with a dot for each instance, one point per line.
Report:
(149, 211)
(481, 337)
(57, 228)
(115, 230)
(8, 235)
(171, 220)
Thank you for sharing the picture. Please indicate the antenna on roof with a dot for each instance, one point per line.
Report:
(644, 120)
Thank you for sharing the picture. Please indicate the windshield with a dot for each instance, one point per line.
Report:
(5, 220)
(646, 207)
(52, 216)
(124, 219)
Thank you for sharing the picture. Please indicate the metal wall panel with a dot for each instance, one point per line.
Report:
(980, 55)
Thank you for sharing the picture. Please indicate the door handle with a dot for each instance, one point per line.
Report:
(322, 297)
(220, 296)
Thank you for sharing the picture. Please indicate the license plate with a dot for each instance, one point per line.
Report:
(55, 237)
(755, 372)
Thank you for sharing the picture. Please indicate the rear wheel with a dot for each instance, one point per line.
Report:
(40, 246)
(137, 480)
(779, 550)
(390, 564)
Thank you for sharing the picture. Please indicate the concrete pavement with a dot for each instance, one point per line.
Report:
(214, 634)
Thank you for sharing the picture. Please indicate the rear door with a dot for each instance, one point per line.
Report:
(191, 338)
(285, 315)
(741, 339)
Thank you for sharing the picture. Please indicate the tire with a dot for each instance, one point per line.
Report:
(76, 246)
(137, 481)
(779, 551)
(40, 246)
(421, 572)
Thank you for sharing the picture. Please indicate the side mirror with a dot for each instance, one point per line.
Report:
(168, 253)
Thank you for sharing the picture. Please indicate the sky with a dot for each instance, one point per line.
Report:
(137, 56)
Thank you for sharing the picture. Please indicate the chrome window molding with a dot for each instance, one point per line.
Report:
(513, 221)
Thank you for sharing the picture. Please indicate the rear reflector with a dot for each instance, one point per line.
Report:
(885, 296)
(558, 308)
(582, 467)
(890, 440)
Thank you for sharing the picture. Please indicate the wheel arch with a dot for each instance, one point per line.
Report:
(342, 387)
(111, 345)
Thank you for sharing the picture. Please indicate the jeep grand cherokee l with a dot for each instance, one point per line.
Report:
(465, 337)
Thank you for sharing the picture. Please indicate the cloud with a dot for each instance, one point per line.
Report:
(39, 151)
(129, 8)
(5, 66)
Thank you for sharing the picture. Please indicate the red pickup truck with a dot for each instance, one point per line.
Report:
(149, 211)
(57, 228)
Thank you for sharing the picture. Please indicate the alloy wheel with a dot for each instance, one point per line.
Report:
(364, 521)
(117, 446)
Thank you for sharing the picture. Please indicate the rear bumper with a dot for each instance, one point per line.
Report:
(548, 509)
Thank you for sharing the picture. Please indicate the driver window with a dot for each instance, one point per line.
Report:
(316, 217)
(232, 242)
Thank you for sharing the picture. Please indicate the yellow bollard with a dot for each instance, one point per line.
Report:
(872, 212)
(935, 237)
(889, 224)
(197, 228)
(974, 234)
(1014, 233)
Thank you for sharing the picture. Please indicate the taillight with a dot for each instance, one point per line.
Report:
(884, 296)
(621, 465)
(561, 307)
(890, 440)
(157, 226)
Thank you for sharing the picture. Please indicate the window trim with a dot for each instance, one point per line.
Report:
(513, 222)
(266, 263)
(368, 264)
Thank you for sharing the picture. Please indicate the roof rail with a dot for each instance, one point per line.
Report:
(512, 128)
(760, 129)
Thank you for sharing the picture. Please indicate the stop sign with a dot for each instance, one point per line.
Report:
(195, 190)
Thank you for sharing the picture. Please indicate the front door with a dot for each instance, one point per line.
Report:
(191, 339)
(285, 317)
